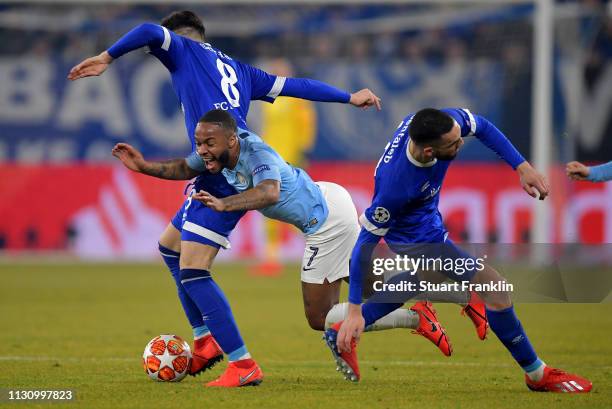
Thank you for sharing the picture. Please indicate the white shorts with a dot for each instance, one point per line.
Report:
(329, 249)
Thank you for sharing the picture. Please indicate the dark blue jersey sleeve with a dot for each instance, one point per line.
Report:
(487, 133)
(360, 261)
(313, 90)
(264, 86)
(161, 42)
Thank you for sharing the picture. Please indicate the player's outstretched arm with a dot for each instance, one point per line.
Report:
(533, 182)
(174, 169)
(314, 90)
(146, 34)
(91, 67)
(265, 194)
(354, 324)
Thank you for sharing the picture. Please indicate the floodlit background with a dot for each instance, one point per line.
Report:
(61, 192)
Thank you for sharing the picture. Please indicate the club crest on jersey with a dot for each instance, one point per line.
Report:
(381, 215)
(241, 179)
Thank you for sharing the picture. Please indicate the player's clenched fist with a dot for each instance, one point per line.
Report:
(365, 98)
(129, 156)
(577, 171)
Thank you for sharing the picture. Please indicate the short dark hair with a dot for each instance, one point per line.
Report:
(184, 19)
(221, 118)
(428, 125)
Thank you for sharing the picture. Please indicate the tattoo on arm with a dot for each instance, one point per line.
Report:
(174, 169)
(263, 195)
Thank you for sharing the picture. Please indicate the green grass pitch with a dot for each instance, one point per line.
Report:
(84, 326)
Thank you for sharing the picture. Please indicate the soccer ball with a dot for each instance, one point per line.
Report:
(167, 358)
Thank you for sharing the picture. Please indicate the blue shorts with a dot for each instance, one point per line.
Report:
(201, 224)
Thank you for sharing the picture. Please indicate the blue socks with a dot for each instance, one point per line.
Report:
(383, 303)
(215, 310)
(509, 330)
(372, 311)
(171, 258)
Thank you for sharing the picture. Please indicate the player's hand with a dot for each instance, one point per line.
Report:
(130, 156)
(352, 327)
(364, 99)
(91, 67)
(209, 200)
(532, 181)
(577, 171)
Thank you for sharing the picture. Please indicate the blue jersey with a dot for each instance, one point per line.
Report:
(301, 202)
(404, 209)
(205, 78)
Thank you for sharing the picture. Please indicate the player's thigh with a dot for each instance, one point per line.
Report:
(204, 232)
(197, 255)
(171, 238)
(318, 300)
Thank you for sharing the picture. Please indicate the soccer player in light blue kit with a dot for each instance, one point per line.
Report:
(323, 211)
(404, 211)
(205, 78)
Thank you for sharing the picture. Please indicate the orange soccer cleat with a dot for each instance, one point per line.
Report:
(346, 362)
(556, 380)
(430, 327)
(206, 354)
(245, 372)
(475, 310)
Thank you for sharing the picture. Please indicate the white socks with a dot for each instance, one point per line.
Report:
(400, 318)
(537, 374)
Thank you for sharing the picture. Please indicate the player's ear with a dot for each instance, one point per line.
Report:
(428, 152)
(231, 140)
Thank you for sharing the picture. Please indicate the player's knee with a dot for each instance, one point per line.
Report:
(170, 238)
(315, 320)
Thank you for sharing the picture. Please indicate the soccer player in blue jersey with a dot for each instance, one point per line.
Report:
(205, 78)
(404, 211)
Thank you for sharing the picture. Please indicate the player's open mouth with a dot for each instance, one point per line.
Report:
(209, 163)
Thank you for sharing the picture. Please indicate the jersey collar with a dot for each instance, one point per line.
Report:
(416, 162)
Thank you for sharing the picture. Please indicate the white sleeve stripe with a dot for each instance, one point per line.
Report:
(277, 87)
(369, 226)
(472, 121)
(166, 44)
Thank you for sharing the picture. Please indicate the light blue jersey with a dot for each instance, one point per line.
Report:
(301, 202)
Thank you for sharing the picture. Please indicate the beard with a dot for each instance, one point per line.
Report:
(447, 156)
(224, 158)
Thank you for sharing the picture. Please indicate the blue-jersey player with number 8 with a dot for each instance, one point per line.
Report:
(205, 78)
